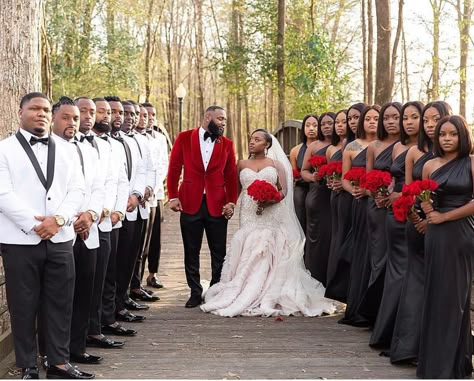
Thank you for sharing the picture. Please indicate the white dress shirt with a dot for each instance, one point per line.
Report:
(207, 146)
(39, 149)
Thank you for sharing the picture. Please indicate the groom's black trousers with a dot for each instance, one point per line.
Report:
(192, 231)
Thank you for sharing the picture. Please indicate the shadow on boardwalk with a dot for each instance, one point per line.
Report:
(175, 342)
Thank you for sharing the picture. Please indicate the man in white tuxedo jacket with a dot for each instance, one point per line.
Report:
(66, 120)
(102, 318)
(137, 175)
(41, 191)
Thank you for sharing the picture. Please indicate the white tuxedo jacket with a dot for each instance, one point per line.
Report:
(137, 182)
(23, 196)
(162, 161)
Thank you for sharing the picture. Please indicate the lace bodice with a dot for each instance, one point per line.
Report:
(271, 216)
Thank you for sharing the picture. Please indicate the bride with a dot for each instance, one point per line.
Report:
(264, 272)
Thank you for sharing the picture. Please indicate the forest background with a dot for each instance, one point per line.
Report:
(265, 61)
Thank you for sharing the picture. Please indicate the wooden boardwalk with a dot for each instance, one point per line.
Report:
(179, 343)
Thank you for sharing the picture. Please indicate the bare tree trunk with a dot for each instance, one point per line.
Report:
(382, 71)
(405, 64)
(364, 52)
(337, 19)
(236, 42)
(20, 66)
(46, 73)
(199, 56)
(370, 54)
(395, 46)
(436, 6)
(148, 51)
(280, 58)
(464, 23)
(311, 16)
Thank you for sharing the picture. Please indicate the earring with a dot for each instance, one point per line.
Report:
(266, 151)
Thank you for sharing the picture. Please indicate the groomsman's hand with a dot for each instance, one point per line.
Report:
(48, 227)
(114, 218)
(83, 222)
(132, 203)
(175, 205)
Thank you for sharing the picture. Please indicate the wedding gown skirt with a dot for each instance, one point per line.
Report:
(264, 272)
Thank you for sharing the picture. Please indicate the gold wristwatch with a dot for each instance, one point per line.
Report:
(60, 220)
(106, 212)
(94, 215)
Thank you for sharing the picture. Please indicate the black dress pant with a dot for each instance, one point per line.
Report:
(103, 254)
(85, 261)
(127, 254)
(108, 295)
(141, 236)
(40, 284)
(154, 249)
(192, 231)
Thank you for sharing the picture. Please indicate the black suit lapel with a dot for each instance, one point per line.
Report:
(26, 146)
(50, 164)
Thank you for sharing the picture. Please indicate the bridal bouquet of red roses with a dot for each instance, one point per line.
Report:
(356, 176)
(262, 191)
(378, 181)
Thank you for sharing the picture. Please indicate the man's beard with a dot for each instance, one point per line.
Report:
(214, 128)
(102, 127)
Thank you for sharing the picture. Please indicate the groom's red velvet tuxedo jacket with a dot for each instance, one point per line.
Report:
(219, 180)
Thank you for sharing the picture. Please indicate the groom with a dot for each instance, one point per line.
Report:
(207, 195)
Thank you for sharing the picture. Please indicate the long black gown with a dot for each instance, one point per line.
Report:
(377, 245)
(397, 257)
(406, 333)
(301, 190)
(318, 227)
(445, 341)
(341, 202)
(360, 262)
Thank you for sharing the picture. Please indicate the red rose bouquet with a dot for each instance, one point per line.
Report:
(335, 170)
(262, 191)
(378, 181)
(402, 206)
(356, 176)
(323, 172)
(421, 189)
(296, 174)
(317, 161)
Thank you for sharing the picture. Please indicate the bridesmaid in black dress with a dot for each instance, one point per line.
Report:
(397, 250)
(318, 209)
(379, 157)
(406, 333)
(355, 156)
(339, 266)
(309, 134)
(445, 341)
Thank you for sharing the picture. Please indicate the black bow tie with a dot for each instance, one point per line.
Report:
(34, 140)
(149, 132)
(213, 137)
(118, 137)
(89, 138)
(104, 137)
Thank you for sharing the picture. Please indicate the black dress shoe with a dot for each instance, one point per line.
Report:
(118, 330)
(133, 305)
(30, 373)
(70, 372)
(143, 296)
(193, 301)
(85, 358)
(154, 282)
(129, 317)
(103, 343)
(44, 362)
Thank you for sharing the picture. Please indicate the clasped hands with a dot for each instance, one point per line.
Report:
(48, 227)
(432, 216)
(82, 225)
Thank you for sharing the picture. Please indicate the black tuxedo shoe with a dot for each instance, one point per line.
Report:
(85, 358)
(70, 372)
(30, 373)
(143, 296)
(44, 362)
(193, 301)
(127, 316)
(134, 306)
(103, 343)
(118, 330)
(154, 282)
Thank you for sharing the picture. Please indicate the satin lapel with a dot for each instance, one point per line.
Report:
(50, 164)
(196, 149)
(26, 146)
(216, 153)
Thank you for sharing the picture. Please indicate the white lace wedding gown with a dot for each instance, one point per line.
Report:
(263, 272)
